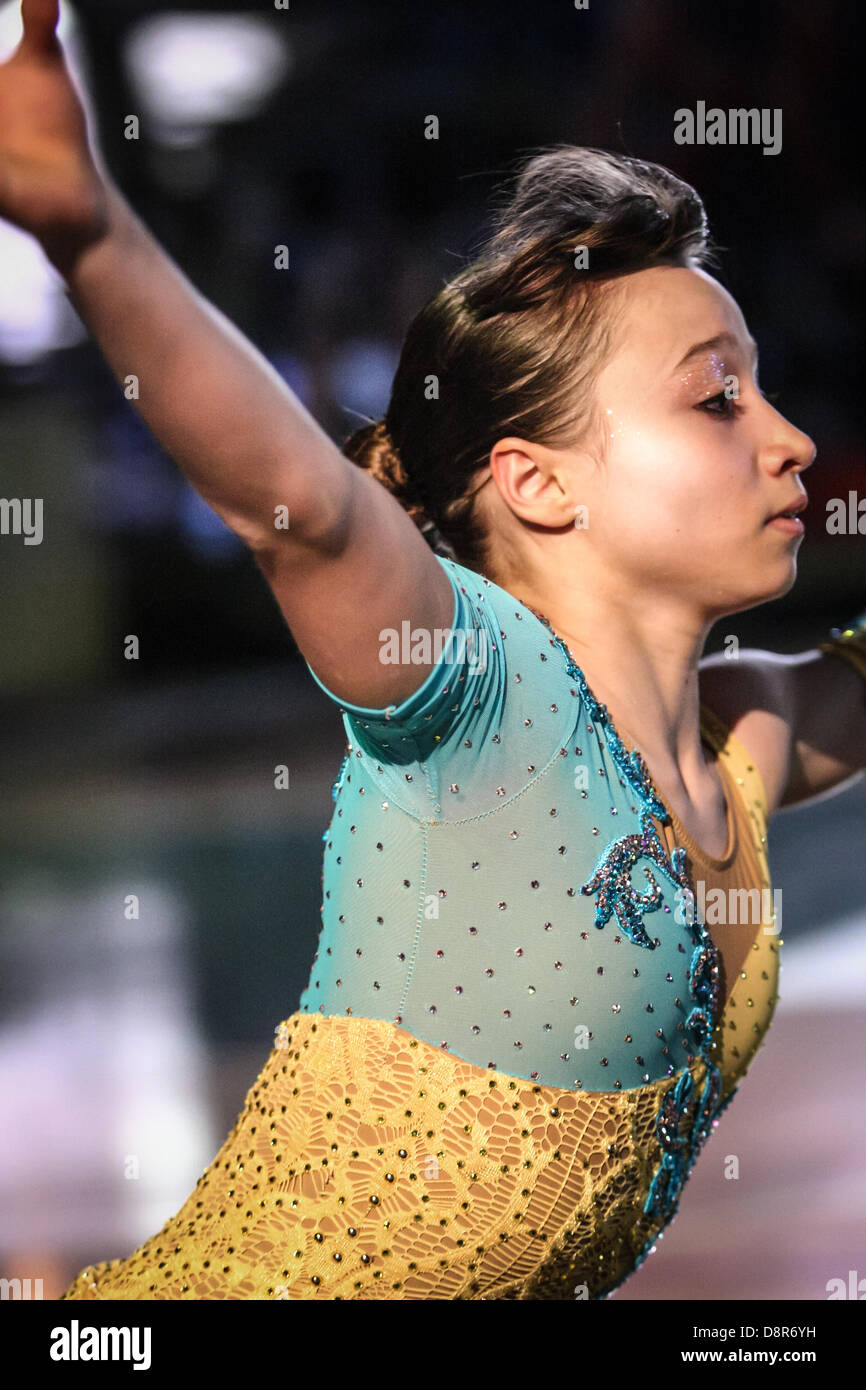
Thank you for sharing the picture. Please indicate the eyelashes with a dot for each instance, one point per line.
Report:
(724, 406)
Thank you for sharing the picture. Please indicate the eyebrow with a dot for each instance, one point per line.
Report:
(720, 340)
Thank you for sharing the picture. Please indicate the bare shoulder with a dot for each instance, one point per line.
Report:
(752, 696)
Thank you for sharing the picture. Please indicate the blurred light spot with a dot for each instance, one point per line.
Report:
(188, 71)
(35, 315)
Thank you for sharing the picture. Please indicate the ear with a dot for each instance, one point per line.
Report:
(535, 482)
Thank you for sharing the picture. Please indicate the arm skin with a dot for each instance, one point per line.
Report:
(801, 717)
(350, 562)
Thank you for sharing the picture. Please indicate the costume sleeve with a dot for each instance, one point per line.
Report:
(479, 709)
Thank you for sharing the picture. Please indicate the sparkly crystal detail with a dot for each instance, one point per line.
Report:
(682, 1124)
(611, 880)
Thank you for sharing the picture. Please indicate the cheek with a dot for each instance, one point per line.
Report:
(673, 470)
(656, 477)
(665, 498)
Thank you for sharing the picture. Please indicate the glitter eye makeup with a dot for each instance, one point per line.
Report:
(708, 376)
(710, 383)
(705, 387)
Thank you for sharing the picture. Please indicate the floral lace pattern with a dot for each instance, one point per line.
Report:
(368, 1164)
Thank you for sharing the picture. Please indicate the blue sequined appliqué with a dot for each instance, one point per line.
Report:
(684, 1121)
(611, 880)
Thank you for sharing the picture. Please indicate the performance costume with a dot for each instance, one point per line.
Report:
(517, 1032)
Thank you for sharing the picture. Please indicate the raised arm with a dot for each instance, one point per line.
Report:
(801, 717)
(350, 561)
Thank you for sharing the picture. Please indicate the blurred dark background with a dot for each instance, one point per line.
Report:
(154, 777)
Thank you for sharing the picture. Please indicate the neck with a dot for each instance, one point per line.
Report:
(640, 659)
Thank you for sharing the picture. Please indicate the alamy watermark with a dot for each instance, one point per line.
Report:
(417, 646)
(77, 1343)
(736, 126)
(21, 1288)
(726, 907)
(22, 516)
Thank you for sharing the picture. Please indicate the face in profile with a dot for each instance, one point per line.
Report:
(694, 459)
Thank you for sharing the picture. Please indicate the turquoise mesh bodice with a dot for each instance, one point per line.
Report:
(492, 880)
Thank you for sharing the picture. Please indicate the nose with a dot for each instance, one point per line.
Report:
(788, 446)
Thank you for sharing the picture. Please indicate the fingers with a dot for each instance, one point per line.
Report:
(39, 18)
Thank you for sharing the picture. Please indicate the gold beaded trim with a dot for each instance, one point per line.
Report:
(849, 643)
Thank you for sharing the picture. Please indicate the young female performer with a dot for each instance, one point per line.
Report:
(518, 1029)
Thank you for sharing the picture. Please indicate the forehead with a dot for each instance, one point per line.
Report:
(661, 313)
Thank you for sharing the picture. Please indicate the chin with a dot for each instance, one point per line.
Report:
(789, 583)
(784, 584)
(762, 592)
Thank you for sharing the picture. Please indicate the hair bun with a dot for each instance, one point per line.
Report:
(373, 449)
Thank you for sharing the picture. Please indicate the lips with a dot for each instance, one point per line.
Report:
(797, 505)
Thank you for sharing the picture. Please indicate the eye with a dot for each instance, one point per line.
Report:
(721, 405)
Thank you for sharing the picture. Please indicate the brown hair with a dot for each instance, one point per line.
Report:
(512, 343)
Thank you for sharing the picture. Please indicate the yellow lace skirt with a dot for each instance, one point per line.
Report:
(369, 1164)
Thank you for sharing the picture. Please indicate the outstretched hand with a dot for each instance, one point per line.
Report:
(49, 183)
